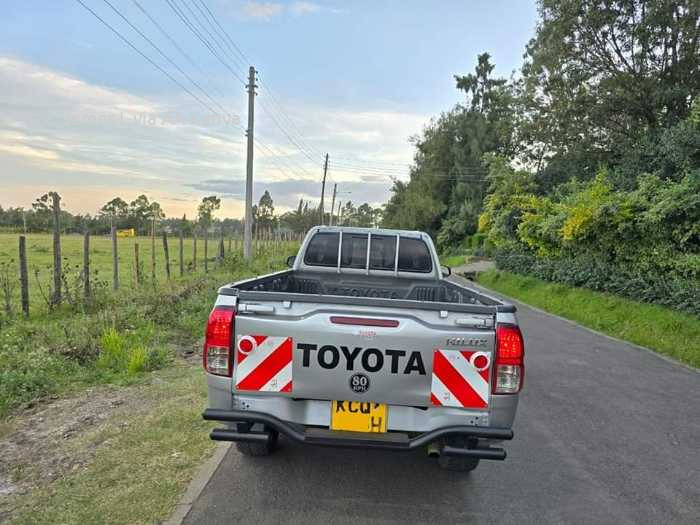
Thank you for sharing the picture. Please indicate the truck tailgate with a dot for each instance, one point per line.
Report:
(393, 356)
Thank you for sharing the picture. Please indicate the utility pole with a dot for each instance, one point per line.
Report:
(335, 188)
(323, 189)
(248, 232)
(340, 213)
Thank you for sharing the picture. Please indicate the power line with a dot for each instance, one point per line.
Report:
(298, 142)
(243, 62)
(290, 160)
(231, 44)
(204, 27)
(166, 57)
(281, 128)
(468, 171)
(245, 58)
(222, 56)
(290, 122)
(385, 163)
(185, 20)
(173, 41)
(154, 64)
(273, 156)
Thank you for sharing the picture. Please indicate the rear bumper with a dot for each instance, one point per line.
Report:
(241, 429)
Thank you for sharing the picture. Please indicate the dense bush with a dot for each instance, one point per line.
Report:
(597, 274)
(640, 239)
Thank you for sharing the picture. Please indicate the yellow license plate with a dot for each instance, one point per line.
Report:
(358, 416)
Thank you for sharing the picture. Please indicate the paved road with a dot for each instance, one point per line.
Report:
(605, 433)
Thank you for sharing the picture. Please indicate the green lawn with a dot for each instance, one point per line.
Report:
(666, 331)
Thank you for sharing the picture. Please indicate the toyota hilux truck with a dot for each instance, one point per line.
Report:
(364, 342)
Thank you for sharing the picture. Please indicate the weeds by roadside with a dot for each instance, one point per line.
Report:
(115, 339)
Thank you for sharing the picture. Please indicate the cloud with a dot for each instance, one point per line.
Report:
(288, 192)
(262, 10)
(268, 10)
(85, 140)
(303, 8)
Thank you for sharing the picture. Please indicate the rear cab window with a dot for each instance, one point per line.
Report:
(322, 250)
(414, 254)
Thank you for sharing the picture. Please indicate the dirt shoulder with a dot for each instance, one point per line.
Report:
(65, 460)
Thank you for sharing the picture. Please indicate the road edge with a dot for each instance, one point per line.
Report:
(579, 325)
(197, 484)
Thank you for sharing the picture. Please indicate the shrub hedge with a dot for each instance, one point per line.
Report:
(596, 274)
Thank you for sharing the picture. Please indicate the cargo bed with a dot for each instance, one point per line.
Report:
(324, 287)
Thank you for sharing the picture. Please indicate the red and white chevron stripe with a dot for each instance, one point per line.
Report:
(461, 378)
(263, 364)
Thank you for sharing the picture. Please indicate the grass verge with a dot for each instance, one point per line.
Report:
(454, 261)
(117, 338)
(144, 457)
(663, 330)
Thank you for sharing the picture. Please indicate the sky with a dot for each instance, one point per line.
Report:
(85, 114)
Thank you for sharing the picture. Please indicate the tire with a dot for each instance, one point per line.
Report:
(258, 449)
(458, 463)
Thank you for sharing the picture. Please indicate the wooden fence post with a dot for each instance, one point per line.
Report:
(222, 252)
(86, 265)
(137, 263)
(194, 249)
(115, 259)
(182, 254)
(56, 208)
(153, 250)
(167, 254)
(206, 250)
(23, 274)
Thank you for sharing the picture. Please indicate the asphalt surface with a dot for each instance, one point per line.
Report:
(605, 433)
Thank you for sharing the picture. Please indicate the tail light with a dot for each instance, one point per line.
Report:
(509, 371)
(217, 344)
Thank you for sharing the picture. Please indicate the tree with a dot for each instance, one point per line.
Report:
(482, 90)
(602, 77)
(264, 213)
(42, 217)
(140, 214)
(444, 195)
(206, 209)
(115, 211)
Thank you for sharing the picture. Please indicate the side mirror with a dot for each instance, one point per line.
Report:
(446, 271)
(290, 260)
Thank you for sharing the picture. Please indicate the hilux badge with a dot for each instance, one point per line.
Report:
(466, 341)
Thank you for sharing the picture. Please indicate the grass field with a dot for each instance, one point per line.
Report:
(666, 331)
(40, 258)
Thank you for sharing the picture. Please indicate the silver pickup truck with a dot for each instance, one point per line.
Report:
(364, 343)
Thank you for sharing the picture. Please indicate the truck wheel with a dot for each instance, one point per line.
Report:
(457, 463)
(258, 449)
